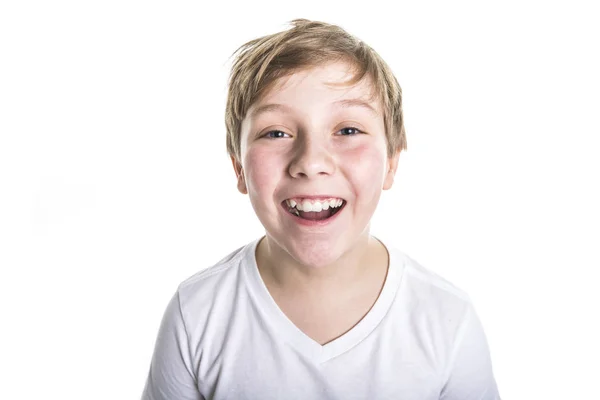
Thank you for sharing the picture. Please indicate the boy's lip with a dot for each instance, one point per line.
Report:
(313, 197)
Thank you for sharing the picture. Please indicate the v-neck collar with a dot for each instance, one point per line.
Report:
(299, 340)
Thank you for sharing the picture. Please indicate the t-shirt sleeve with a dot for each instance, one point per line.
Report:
(470, 375)
(171, 375)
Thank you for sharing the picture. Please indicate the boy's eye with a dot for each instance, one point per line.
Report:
(275, 134)
(349, 131)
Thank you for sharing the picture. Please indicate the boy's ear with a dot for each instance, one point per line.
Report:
(391, 172)
(239, 173)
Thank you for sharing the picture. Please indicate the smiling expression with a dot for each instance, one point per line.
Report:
(314, 161)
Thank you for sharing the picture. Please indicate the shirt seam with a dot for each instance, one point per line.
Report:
(193, 372)
(457, 344)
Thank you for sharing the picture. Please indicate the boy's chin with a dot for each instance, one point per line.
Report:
(314, 255)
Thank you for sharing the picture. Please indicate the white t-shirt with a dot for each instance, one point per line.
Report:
(224, 337)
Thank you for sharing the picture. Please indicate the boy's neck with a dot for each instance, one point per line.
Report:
(348, 274)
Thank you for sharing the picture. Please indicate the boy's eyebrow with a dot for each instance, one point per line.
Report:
(357, 103)
(345, 103)
(269, 107)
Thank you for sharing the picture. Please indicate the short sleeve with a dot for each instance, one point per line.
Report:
(171, 373)
(470, 375)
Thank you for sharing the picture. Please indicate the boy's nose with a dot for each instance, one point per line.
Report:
(311, 159)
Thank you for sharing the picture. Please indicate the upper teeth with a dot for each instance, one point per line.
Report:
(314, 206)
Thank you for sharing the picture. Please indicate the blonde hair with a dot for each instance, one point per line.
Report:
(260, 62)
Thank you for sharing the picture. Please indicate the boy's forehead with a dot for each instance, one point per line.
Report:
(322, 83)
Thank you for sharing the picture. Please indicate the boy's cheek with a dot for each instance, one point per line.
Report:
(367, 158)
(368, 167)
(261, 168)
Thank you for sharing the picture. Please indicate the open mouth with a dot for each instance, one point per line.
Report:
(314, 210)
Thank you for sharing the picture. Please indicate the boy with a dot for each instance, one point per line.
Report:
(317, 308)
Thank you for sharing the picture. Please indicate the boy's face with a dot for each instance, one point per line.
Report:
(306, 141)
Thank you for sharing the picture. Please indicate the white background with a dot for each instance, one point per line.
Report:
(115, 184)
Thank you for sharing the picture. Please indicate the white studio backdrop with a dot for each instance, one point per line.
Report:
(115, 184)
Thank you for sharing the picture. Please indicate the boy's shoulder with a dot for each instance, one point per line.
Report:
(424, 284)
(222, 276)
(428, 277)
(424, 295)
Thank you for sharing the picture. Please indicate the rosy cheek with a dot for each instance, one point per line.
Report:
(261, 168)
(365, 164)
(366, 155)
